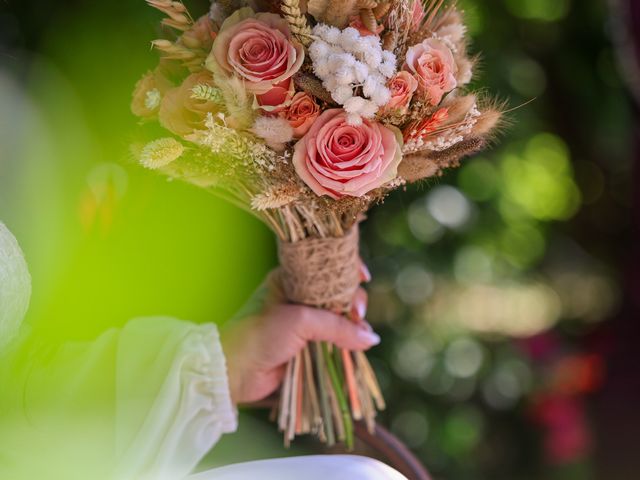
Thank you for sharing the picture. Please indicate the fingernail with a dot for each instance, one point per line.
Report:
(366, 274)
(361, 309)
(370, 338)
(364, 324)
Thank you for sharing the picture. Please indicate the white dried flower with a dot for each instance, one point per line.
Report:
(318, 50)
(361, 71)
(369, 109)
(152, 99)
(388, 57)
(373, 58)
(344, 75)
(348, 37)
(335, 61)
(345, 61)
(381, 96)
(332, 35)
(354, 119)
(275, 131)
(355, 104)
(342, 94)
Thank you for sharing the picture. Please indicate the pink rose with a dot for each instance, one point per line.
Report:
(432, 63)
(301, 114)
(338, 159)
(258, 48)
(356, 22)
(179, 112)
(402, 87)
(276, 100)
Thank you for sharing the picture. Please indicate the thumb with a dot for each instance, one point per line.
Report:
(325, 326)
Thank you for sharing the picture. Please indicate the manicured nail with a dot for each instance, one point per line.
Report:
(361, 309)
(370, 338)
(365, 274)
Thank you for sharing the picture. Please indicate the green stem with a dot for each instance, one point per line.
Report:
(342, 401)
(327, 419)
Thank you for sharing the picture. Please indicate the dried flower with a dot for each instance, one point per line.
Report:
(161, 152)
(275, 131)
(345, 61)
(181, 112)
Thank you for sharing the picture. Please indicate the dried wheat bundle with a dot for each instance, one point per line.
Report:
(306, 114)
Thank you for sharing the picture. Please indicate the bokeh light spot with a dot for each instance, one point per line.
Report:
(544, 10)
(463, 357)
(449, 206)
(414, 284)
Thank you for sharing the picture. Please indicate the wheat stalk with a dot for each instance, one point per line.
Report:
(297, 21)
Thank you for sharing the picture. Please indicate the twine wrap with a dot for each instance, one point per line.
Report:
(321, 272)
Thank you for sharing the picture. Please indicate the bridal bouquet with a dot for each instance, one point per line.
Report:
(306, 113)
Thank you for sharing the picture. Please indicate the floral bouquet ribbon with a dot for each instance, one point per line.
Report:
(306, 114)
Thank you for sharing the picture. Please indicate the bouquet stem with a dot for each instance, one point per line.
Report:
(325, 387)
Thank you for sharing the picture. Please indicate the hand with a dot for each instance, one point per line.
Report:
(258, 348)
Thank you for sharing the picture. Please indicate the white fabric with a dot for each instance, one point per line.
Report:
(15, 286)
(312, 467)
(191, 412)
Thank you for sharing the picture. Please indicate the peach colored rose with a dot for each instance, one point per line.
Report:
(356, 23)
(147, 94)
(338, 159)
(402, 86)
(276, 100)
(182, 114)
(301, 114)
(258, 48)
(433, 65)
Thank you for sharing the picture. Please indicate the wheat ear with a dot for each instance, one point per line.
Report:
(297, 21)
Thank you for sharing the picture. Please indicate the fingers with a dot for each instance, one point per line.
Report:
(321, 325)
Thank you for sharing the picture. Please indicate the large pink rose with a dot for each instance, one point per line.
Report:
(258, 48)
(338, 159)
(302, 113)
(402, 86)
(434, 67)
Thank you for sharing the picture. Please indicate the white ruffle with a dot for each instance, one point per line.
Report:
(189, 415)
(15, 286)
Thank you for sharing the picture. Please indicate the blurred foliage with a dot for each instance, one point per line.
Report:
(486, 281)
(489, 279)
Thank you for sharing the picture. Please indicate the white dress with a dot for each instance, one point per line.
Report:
(145, 402)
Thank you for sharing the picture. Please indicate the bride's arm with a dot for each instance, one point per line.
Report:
(151, 398)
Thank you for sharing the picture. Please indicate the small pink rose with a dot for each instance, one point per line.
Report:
(402, 86)
(276, 100)
(356, 22)
(433, 65)
(338, 159)
(301, 114)
(258, 48)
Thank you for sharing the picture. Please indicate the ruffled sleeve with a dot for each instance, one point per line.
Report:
(172, 394)
(146, 401)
